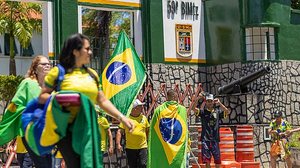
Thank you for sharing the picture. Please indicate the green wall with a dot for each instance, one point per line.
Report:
(225, 34)
(65, 21)
(152, 19)
(222, 31)
(287, 21)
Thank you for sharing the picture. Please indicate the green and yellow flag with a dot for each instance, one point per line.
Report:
(10, 126)
(123, 76)
(168, 136)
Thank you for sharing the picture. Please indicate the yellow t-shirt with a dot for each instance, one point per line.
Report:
(103, 126)
(20, 146)
(137, 139)
(78, 80)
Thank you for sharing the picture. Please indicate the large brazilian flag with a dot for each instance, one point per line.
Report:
(123, 76)
(10, 126)
(168, 136)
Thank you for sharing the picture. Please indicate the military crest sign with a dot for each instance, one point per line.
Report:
(184, 40)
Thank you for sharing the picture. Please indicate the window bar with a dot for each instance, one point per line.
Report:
(252, 38)
(268, 44)
(262, 44)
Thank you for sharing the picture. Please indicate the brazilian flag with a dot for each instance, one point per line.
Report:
(10, 126)
(45, 125)
(168, 136)
(123, 76)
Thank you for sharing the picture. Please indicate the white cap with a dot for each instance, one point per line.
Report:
(210, 97)
(137, 102)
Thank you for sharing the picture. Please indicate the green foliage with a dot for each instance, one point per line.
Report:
(120, 21)
(95, 21)
(8, 86)
(18, 19)
(294, 140)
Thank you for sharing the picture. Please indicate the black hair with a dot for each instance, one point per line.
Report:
(277, 114)
(66, 57)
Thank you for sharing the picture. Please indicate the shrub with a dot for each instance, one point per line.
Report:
(8, 87)
(294, 140)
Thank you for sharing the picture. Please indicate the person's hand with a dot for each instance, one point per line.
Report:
(119, 149)
(201, 96)
(217, 101)
(128, 123)
(288, 133)
(282, 134)
(273, 132)
(9, 149)
(196, 111)
(110, 150)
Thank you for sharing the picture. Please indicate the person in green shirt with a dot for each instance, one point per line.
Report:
(10, 126)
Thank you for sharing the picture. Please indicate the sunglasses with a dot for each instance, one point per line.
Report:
(44, 64)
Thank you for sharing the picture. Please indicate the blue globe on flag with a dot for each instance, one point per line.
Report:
(170, 129)
(118, 73)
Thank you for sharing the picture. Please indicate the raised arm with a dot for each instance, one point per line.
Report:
(222, 106)
(295, 130)
(271, 131)
(107, 106)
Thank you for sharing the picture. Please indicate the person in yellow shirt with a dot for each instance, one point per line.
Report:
(76, 53)
(104, 132)
(136, 142)
(23, 157)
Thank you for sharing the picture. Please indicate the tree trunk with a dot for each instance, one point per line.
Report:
(104, 18)
(12, 62)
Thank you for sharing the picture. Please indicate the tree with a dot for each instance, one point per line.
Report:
(16, 20)
(103, 28)
(295, 4)
(96, 26)
(119, 21)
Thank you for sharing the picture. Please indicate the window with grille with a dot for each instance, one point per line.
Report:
(103, 27)
(260, 43)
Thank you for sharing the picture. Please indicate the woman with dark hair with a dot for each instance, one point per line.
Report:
(10, 126)
(75, 54)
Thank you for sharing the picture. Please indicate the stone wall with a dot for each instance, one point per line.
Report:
(278, 90)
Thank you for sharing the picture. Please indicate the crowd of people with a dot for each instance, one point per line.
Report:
(167, 127)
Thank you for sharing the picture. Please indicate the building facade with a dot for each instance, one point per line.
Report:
(212, 42)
